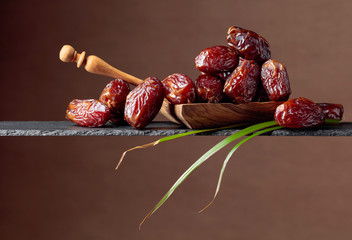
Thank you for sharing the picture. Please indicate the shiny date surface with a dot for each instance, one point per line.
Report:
(216, 59)
(332, 110)
(88, 112)
(248, 44)
(209, 89)
(299, 113)
(242, 84)
(179, 89)
(114, 96)
(275, 80)
(144, 102)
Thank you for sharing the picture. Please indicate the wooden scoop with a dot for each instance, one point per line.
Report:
(193, 115)
(96, 65)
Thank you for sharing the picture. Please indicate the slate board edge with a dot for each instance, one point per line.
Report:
(65, 128)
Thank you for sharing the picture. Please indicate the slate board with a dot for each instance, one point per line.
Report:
(66, 128)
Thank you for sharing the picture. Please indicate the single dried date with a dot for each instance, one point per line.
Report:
(209, 88)
(216, 59)
(88, 112)
(179, 89)
(331, 110)
(299, 113)
(248, 44)
(242, 84)
(144, 102)
(114, 96)
(275, 80)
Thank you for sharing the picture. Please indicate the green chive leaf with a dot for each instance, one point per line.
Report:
(204, 157)
(229, 156)
(168, 138)
(331, 121)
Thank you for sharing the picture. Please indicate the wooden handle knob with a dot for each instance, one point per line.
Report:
(94, 64)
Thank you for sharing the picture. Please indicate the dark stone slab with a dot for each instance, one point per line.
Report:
(66, 128)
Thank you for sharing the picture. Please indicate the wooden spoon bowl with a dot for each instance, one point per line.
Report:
(193, 115)
(209, 115)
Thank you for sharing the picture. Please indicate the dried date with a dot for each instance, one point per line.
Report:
(114, 96)
(209, 89)
(275, 80)
(216, 59)
(331, 110)
(248, 44)
(179, 89)
(144, 102)
(242, 84)
(299, 113)
(88, 112)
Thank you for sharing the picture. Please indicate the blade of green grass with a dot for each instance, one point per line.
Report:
(331, 121)
(229, 156)
(327, 121)
(204, 157)
(168, 138)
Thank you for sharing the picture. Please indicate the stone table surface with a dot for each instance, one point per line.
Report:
(66, 128)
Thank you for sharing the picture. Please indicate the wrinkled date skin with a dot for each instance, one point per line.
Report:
(114, 96)
(331, 110)
(179, 89)
(275, 80)
(144, 102)
(242, 84)
(88, 112)
(248, 44)
(299, 113)
(209, 89)
(216, 59)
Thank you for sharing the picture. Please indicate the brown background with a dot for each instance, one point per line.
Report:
(66, 188)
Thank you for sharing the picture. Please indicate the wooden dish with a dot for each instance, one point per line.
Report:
(208, 115)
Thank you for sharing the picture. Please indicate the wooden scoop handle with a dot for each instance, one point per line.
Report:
(94, 64)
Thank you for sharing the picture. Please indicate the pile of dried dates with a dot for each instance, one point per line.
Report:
(241, 72)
